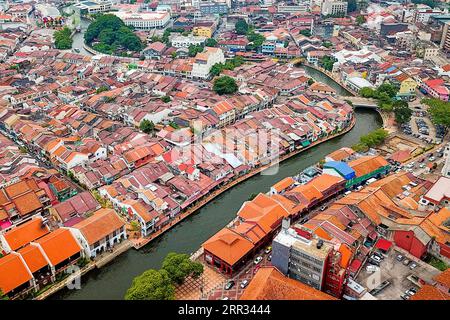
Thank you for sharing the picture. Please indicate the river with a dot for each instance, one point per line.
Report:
(112, 281)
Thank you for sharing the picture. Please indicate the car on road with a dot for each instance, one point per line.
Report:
(244, 284)
(399, 258)
(323, 208)
(257, 260)
(225, 298)
(269, 258)
(268, 250)
(413, 265)
(230, 284)
(406, 262)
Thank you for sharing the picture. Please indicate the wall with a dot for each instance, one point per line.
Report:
(407, 240)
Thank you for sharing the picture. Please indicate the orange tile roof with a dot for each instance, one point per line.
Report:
(102, 223)
(25, 233)
(444, 278)
(27, 203)
(428, 292)
(367, 164)
(308, 191)
(33, 257)
(13, 272)
(59, 245)
(283, 184)
(325, 181)
(228, 246)
(271, 284)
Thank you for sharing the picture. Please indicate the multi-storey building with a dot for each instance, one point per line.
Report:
(205, 60)
(331, 7)
(144, 20)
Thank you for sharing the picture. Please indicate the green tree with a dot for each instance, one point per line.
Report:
(111, 34)
(439, 111)
(63, 40)
(194, 49)
(2, 295)
(151, 285)
(306, 33)
(179, 267)
(241, 27)
(327, 62)
(367, 92)
(101, 89)
(147, 126)
(327, 44)
(360, 20)
(210, 42)
(402, 112)
(165, 99)
(225, 85)
(255, 40)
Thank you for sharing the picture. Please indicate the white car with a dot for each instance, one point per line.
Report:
(372, 269)
(422, 165)
(431, 159)
(257, 260)
(244, 283)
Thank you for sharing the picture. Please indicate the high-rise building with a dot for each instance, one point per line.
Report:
(332, 7)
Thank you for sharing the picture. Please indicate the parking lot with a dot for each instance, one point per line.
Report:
(397, 273)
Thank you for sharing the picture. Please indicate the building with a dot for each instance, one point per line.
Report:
(300, 256)
(440, 290)
(270, 284)
(445, 38)
(144, 20)
(334, 8)
(357, 83)
(187, 41)
(99, 232)
(205, 60)
(207, 8)
(93, 6)
(423, 14)
(204, 29)
(446, 168)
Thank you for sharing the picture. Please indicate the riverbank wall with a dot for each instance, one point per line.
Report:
(211, 196)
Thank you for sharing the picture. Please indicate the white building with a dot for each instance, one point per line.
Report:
(144, 20)
(446, 167)
(99, 232)
(357, 83)
(423, 14)
(94, 6)
(186, 41)
(205, 60)
(331, 7)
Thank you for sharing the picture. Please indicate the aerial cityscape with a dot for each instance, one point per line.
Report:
(224, 150)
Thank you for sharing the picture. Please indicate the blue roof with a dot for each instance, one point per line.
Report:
(341, 167)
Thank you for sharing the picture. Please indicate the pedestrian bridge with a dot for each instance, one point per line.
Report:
(360, 102)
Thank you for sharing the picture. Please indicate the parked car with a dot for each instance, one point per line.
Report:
(268, 250)
(225, 298)
(405, 297)
(406, 262)
(244, 283)
(411, 291)
(399, 257)
(431, 159)
(257, 260)
(269, 258)
(230, 284)
(372, 268)
(375, 257)
(413, 265)
(374, 262)
(378, 254)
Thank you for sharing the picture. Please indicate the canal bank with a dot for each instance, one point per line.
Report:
(112, 281)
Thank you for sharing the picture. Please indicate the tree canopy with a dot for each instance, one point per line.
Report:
(255, 39)
(230, 64)
(360, 20)
(179, 267)
(151, 285)
(225, 85)
(370, 140)
(385, 94)
(147, 126)
(327, 62)
(210, 42)
(402, 112)
(110, 34)
(241, 27)
(306, 33)
(439, 111)
(62, 38)
(194, 49)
